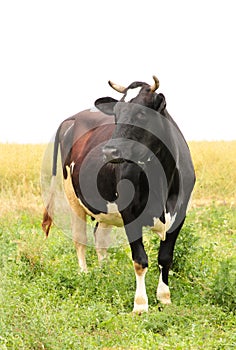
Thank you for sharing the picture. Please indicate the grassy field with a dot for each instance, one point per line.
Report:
(46, 304)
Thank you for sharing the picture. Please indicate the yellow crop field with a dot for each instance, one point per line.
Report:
(215, 166)
(20, 166)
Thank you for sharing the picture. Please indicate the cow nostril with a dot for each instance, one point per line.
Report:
(115, 153)
(111, 153)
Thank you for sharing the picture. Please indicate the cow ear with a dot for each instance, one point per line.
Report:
(106, 105)
(159, 102)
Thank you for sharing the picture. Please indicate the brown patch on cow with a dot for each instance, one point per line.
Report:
(47, 222)
(81, 145)
(140, 301)
(139, 269)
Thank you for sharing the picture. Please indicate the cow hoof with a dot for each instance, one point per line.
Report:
(163, 294)
(140, 305)
(82, 270)
(140, 309)
(165, 300)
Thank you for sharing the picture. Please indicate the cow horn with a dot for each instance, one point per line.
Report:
(116, 87)
(155, 86)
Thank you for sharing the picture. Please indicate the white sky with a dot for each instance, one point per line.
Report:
(57, 56)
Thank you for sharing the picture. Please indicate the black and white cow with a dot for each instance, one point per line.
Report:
(127, 164)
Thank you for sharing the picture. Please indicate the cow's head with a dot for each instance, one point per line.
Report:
(135, 116)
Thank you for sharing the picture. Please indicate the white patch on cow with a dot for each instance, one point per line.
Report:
(163, 292)
(94, 109)
(112, 208)
(161, 228)
(132, 93)
(111, 218)
(140, 299)
(72, 167)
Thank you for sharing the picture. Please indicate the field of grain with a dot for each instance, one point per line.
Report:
(46, 304)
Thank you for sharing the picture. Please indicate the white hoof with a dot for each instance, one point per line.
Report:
(164, 299)
(163, 293)
(83, 269)
(140, 305)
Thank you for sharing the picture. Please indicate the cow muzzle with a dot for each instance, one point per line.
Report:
(111, 154)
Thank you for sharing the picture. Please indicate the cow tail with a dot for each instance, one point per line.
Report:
(55, 152)
(49, 210)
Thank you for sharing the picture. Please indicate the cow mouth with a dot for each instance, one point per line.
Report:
(117, 160)
(120, 161)
(143, 161)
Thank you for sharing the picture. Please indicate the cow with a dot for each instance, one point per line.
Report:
(126, 163)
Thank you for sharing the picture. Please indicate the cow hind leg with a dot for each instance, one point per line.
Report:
(79, 237)
(102, 240)
(165, 259)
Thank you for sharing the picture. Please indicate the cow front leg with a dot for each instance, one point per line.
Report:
(140, 262)
(102, 240)
(80, 237)
(165, 259)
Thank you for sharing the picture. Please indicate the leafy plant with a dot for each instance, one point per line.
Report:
(224, 285)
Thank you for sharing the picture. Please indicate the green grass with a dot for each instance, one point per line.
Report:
(46, 304)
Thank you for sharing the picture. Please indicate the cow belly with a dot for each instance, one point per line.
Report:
(112, 217)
